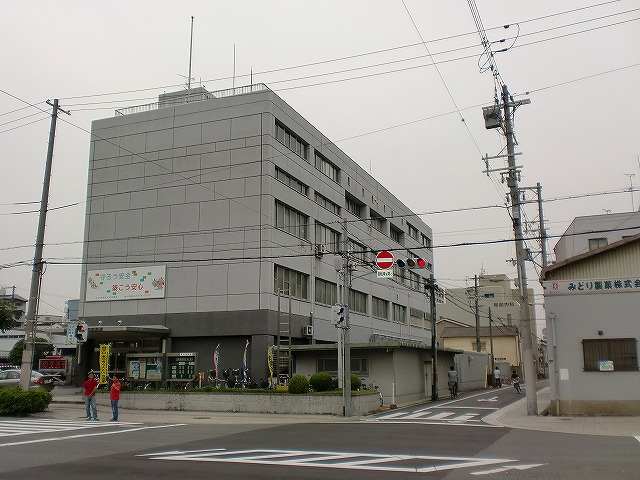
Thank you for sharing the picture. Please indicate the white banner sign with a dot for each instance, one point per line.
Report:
(582, 287)
(129, 283)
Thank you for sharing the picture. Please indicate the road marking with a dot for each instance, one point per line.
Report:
(29, 426)
(427, 417)
(638, 437)
(492, 399)
(508, 467)
(84, 435)
(328, 459)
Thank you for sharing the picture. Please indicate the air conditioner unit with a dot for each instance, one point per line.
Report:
(320, 249)
(307, 330)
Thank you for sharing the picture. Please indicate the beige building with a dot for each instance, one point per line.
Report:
(506, 340)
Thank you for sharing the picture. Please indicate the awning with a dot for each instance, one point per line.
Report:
(127, 332)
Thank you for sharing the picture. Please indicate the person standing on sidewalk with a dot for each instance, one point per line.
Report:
(497, 379)
(114, 396)
(89, 389)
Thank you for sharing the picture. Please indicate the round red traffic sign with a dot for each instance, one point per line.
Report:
(384, 260)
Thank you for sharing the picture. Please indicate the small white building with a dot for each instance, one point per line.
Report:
(592, 304)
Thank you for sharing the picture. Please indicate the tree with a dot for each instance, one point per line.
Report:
(7, 316)
(41, 348)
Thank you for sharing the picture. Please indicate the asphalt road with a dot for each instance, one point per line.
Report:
(439, 440)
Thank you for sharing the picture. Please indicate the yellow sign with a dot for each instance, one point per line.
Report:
(104, 363)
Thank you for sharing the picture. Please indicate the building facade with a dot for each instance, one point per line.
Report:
(592, 303)
(216, 215)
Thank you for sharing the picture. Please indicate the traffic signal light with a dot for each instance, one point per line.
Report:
(340, 312)
(411, 263)
(81, 332)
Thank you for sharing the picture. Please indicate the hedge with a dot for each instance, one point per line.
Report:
(299, 384)
(15, 401)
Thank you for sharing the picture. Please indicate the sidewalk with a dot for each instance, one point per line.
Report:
(68, 405)
(515, 416)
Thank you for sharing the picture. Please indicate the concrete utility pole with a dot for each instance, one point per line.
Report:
(493, 357)
(543, 231)
(346, 284)
(36, 274)
(516, 215)
(432, 287)
(477, 307)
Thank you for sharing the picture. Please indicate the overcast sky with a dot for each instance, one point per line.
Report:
(359, 72)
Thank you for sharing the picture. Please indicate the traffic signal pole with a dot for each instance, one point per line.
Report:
(516, 216)
(346, 284)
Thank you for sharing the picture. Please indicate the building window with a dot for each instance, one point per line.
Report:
(357, 302)
(326, 292)
(426, 241)
(399, 313)
(291, 140)
(359, 365)
(602, 354)
(290, 282)
(292, 182)
(327, 237)
(353, 207)
(326, 167)
(357, 250)
(291, 221)
(328, 204)
(399, 274)
(396, 234)
(415, 281)
(595, 243)
(377, 221)
(413, 231)
(379, 308)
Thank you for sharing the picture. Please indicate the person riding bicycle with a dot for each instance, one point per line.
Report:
(453, 381)
(515, 379)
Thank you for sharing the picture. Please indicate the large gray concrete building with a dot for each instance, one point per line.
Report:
(202, 207)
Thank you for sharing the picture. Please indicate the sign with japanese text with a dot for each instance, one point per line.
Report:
(581, 287)
(130, 283)
(181, 366)
(51, 363)
(144, 367)
(104, 363)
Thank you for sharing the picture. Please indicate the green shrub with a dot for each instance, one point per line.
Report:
(356, 383)
(299, 384)
(321, 382)
(14, 401)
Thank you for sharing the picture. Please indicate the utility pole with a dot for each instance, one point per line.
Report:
(493, 357)
(478, 346)
(432, 287)
(346, 284)
(36, 274)
(543, 231)
(516, 215)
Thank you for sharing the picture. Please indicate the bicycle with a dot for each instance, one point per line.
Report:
(453, 390)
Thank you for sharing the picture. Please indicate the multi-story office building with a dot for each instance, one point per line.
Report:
(206, 211)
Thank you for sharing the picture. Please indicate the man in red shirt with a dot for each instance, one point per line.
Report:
(114, 395)
(89, 389)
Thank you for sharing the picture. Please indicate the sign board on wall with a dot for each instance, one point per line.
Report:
(591, 286)
(129, 283)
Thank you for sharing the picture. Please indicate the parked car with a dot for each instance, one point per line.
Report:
(11, 378)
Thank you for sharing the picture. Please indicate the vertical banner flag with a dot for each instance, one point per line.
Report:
(244, 363)
(270, 360)
(216, 359)
(104, 363)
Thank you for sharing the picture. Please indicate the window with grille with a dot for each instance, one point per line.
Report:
(287, 280)
(357, 250)
(326, 292)
(426, 241)
(353, 207)
(291, 221)
(377, 221)
(396, 234)
(379, 308)
(357, 302)
(601, 354)
(290, 140)
(595, 243)
(359, 365)
(413, 231)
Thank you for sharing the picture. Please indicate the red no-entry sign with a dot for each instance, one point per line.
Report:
(384, 260)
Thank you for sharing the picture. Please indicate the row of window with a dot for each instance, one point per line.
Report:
(326, 293)
(300, 147)
(359, 365)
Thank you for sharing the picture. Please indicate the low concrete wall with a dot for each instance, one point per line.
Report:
(242, 403)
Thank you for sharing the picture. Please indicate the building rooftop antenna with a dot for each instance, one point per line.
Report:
(190, 55)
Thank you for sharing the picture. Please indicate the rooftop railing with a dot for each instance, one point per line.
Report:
(199, 96)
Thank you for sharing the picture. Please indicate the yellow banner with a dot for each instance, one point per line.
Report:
(104, 363)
